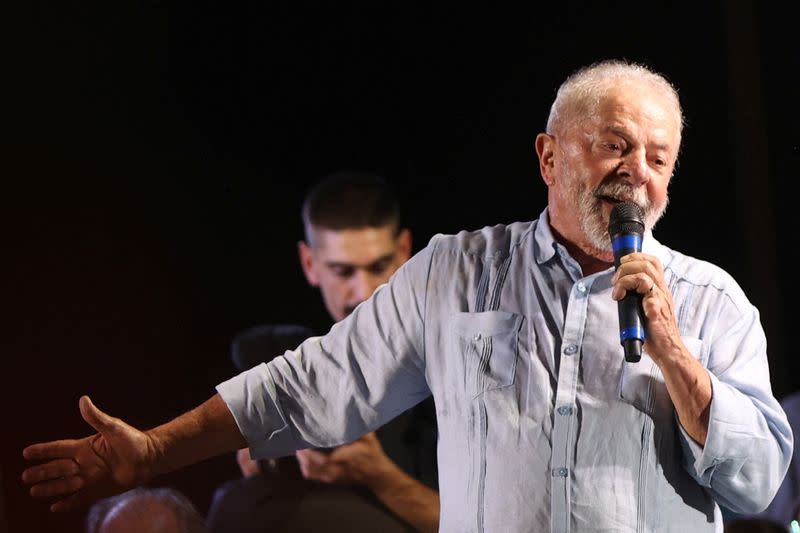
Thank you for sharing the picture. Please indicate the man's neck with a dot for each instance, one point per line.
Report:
(591, 261)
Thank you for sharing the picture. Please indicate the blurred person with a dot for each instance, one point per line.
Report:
(143, 510)
(383, 481)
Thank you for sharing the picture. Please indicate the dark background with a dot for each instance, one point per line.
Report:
(159, 153)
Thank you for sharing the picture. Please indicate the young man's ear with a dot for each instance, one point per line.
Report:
(306, 255)
(404, 245)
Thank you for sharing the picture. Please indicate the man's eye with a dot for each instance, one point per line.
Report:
(342, 272)
(379, 268)
(614, 147)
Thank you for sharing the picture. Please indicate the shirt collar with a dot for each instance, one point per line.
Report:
(546, 244)
(543, 237)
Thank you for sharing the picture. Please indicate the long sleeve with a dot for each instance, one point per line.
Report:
(332, 389)
(749, 441)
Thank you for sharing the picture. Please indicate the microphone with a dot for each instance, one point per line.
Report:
(625, 227)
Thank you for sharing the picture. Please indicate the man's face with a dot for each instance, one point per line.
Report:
(348, 265)
(626, 151)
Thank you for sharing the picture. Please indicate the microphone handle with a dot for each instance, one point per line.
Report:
(630, 307)
(632, 330)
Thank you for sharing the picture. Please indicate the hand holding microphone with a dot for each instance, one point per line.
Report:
(642, 293)
(626, 229)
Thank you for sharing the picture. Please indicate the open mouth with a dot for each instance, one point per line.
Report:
(613, 200)
(609, 199)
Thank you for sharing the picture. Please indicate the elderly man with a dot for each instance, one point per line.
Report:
(513, 330)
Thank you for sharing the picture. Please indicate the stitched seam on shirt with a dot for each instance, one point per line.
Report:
(425, 301)
(740, 303)
(643, 462)
(483, 287)
(480, 303)
(651, 392)
(483, 365)
(502, 272)
(456, 244)
(482, 479)
(683, 308)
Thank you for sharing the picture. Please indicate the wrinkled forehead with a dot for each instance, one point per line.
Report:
(650, 113)
(652, 102)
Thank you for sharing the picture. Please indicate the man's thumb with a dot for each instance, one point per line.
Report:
(94, 416)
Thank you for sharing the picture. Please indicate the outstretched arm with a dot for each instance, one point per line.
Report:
(119, 456)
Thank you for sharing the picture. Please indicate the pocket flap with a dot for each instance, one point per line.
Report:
(489, 323)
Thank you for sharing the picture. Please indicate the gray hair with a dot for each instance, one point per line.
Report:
(186, 514)
(582, 91)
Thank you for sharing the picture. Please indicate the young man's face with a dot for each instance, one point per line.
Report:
(348, 265)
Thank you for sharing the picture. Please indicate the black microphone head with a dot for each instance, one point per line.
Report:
(626, 218)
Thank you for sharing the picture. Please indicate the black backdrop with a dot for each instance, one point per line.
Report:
(159, 153)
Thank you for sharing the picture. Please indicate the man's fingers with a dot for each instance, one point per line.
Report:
(369, 437)
(318, 466)
(313, 456)
(57, 487)
(49, 450)
(94, 416)
(69, 503)
(311, 461)
(639, 263)
(639, 282)
(329, 473)
(52, 470)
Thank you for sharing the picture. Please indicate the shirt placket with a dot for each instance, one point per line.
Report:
(564, 425)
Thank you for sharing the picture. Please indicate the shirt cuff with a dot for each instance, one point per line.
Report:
(251, 398)
(728, 440)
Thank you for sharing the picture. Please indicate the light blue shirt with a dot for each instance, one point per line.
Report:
(542, 425)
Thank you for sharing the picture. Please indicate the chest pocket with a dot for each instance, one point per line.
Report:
(642, 384)
(488, 344)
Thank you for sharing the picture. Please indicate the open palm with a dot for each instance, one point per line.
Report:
(76, 472)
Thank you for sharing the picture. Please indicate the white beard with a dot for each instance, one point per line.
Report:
(593, 221)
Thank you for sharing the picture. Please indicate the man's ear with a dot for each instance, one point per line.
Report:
(306, 255)
(545, 149)
(404, 245)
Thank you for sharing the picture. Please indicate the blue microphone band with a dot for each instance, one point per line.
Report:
(626, 241)
(631, 333)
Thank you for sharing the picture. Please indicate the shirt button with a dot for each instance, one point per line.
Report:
(571, 349)
(560, 472)
(565, 410)
(581, 288)
(476, 337)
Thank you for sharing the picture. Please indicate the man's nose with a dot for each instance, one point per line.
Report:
(362, 285)
(634, 168)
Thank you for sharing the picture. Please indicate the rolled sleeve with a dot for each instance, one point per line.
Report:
(251, 398)
(332, 389)
(746, 452)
